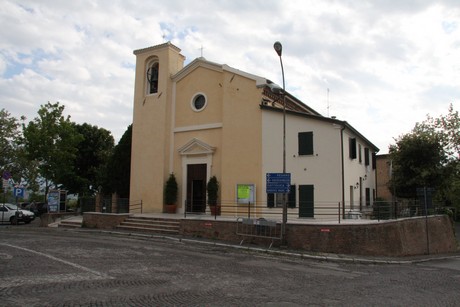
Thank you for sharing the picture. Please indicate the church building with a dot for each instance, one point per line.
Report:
(207, 119)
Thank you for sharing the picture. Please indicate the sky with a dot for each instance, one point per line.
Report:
(380, 65)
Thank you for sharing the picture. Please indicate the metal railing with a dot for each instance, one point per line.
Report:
(122, 205)
(322, 211)
(325, 210)
(135, 207)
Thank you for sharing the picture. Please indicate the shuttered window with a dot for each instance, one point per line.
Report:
(276, 200)
(359, 153)
(270, 200)
(374, 160)
(292, 197)
(305, 143)
(366, 156)
(368, 197)
(352, 148)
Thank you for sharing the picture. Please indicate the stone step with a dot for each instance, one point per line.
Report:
(153, 225)
(69, 224)
(152, 221)
(150, 225)
(148, 229)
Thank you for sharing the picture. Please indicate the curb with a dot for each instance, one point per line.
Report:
(329, 258)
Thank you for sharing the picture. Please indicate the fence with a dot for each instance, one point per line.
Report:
(256, 210)
(408, 208)
(107, 205)
(258, 228)
(324, 211)
(87, 204)
(135, 207)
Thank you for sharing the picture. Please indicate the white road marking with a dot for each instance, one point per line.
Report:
(80, 267)
(23, 281)
(5, 256)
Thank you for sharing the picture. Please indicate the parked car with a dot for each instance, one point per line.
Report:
(37, 208)
(13, 214)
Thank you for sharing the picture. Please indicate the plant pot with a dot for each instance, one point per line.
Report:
(215, 210)
(171, 208)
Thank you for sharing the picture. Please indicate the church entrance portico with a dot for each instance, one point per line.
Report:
(196, 169)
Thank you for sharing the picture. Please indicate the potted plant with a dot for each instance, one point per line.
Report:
(170, 194)
(212, 189)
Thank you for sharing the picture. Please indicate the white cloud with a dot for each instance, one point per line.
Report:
(386, 64)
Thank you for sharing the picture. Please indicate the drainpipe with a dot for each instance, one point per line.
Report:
(343, 171)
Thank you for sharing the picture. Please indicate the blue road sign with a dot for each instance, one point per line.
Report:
(278, 182)
(18, 192)
(6, 175)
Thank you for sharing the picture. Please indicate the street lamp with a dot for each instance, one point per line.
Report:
(279, 50)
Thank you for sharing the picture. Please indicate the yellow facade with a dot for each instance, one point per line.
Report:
(150, 129)
(229, 126)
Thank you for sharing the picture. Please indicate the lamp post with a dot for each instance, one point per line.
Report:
(279, 49)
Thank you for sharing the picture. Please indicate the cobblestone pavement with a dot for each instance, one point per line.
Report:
(55, 267)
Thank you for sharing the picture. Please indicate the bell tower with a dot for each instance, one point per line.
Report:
(153, 94)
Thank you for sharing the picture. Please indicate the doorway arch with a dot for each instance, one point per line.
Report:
(196, 169)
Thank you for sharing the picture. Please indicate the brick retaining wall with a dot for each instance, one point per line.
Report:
(405, 237)
(395, 238)
(49, 218)
(103, 220)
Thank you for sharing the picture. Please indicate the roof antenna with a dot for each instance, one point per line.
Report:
(201, 50)
(327, 102)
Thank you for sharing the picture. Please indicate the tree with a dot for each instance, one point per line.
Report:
(429, 156)
(10, 138)
(448, 128)
(92, 155)
(170, 190)
(118, 172)
(212, 188)
(12, 153)
(417, 161)
(50, 141)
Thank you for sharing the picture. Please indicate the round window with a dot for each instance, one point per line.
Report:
(199, 102)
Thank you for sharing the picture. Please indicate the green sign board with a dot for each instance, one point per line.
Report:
(245, 193)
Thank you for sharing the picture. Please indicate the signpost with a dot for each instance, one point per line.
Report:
(6, 175)
(278, 182)
(19, 192)
(6, 181)
(5, 184)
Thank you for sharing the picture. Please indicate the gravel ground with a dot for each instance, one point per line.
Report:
(55, 267)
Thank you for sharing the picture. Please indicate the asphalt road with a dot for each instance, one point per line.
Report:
(55, 267)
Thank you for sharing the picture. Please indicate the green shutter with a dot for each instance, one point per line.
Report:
(292, 197)
(366, 156)
(368, 197)
(270, 200)
(306, 201)
(305, 143)
(352, 147)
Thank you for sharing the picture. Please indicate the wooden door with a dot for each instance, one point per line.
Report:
(196, 188)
